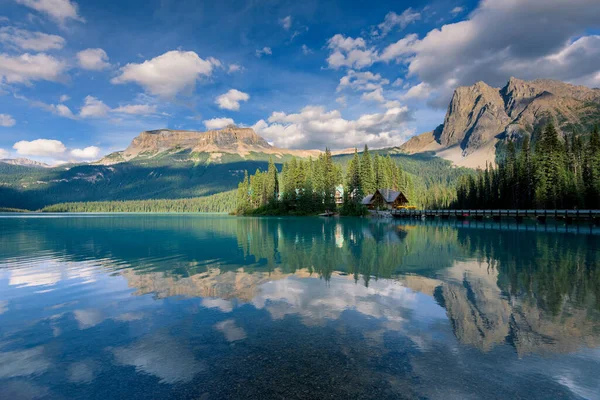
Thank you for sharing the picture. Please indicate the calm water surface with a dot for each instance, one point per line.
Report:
(216, 307)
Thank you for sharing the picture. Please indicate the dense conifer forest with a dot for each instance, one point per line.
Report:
(307, 187)
(550, 173)
(217, 203)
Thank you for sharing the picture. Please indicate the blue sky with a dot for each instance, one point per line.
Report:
(81, 79)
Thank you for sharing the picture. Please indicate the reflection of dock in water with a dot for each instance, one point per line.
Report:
(568, 216)
(504, 225)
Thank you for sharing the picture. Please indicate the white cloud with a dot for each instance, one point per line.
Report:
(398, 82)
(88, 153)
(93, 108)
(393, 20)
(7, 120)
(524, 38)
(341, 101)
(402, 48)
(457, 10)
(264, 51)
(218, 123)
(314, 127)
(286, 22)
(136, 109)
(349, 52)
(420, 91)
(306, 50)
(28, 40)
(4, 154)
(169, 74)
(40, 147)
(62, 110)
(375, 95)
(231, 99)
(93, 59)
(64, 98)
(234, 68)
(361, 81)
(26, 68)
(58, 10)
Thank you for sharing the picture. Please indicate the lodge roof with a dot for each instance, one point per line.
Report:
(388, 195)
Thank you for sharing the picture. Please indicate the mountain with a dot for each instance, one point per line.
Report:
(24, 162)
(172, 164)
(196, 146)
(480, 118)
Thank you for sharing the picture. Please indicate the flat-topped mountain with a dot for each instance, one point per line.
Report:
(230, 140)
(480, 116)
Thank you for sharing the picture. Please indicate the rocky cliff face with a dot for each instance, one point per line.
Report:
(232, 140)
(479, 116)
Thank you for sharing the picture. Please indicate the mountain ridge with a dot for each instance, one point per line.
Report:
(480, 117)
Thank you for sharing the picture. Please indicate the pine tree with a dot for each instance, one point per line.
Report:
(367, 180)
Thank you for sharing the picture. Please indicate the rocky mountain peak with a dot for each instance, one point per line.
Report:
(24, 162)
(479, 116)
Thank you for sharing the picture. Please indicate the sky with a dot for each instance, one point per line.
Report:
(79, 80)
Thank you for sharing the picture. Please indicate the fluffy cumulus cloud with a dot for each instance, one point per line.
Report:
(393, 20)
(58, 10)
(349, 52)
(264, 51)
(314, 127)
(169, 74)
(217, 123)
(525, 38)
(4, 154)
(88, 153)
(7, 120)
(40, 148)
(231, 99)
(362, 81)
(93, 108)
(28, 40)
(26, 68)
(93, 59)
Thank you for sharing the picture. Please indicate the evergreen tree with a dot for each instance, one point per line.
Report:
(367, 179)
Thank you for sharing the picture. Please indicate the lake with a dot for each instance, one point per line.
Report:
(217, 307)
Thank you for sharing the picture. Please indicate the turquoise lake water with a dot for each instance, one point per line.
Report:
(217, 307)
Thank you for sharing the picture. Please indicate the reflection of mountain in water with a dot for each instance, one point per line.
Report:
(538, 291)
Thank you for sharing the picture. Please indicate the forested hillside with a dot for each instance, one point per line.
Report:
(173, 176)
(551, 173)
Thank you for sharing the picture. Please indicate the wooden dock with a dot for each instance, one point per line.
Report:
(568, 216)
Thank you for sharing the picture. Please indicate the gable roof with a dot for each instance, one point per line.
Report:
(389, 195)
(367, 200)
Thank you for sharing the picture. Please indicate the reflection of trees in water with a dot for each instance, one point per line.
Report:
(549, 269)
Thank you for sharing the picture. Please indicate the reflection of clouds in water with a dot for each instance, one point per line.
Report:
(3, 306)
(222, 304)
(23, 363)
(231, 331)
(88, 318)
(22, 390)
(49, 272)
(161, 356)
(383, 299)
(82, 372)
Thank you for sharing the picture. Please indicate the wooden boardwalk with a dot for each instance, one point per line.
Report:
(540, 215)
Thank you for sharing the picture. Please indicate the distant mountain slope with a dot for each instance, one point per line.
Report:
(480, 116)
(24, 162)
(169, 164)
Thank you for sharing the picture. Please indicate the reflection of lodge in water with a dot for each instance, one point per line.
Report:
(502, 298)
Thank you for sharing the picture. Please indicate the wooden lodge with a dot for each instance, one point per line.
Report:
(385, 199)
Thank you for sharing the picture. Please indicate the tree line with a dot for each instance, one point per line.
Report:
(306, 187)
(550, 173)
(218, 203)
